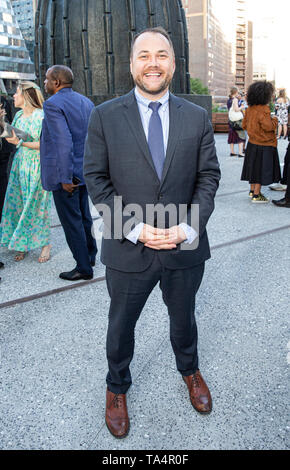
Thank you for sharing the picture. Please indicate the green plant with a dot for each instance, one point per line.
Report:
(217, 108)
(197, 87)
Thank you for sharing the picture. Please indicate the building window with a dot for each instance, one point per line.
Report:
(3, 40)
(7, 17)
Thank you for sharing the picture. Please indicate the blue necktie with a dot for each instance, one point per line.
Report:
(155, 138)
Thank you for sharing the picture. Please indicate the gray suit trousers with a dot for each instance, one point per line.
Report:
(129, 292)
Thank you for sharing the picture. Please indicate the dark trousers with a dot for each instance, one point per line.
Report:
(129, 292)
(286, 172)
(3, 180)
(75, 217)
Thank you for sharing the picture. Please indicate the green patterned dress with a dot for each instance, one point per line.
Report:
(25, 221)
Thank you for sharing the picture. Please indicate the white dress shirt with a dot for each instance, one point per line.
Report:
(145, 114)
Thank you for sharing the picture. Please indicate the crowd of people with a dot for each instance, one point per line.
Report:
(251, 120)
(126, 147)
(48, 163)
(129, 147)
(25, 211)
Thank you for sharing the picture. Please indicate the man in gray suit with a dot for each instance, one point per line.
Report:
(145, 149)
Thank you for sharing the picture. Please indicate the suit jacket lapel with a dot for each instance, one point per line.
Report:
(134, 120)
(175, 126)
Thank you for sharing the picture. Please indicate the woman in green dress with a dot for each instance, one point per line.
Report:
(25, 221)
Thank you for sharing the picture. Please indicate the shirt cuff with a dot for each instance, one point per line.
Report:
(190, 233)
(135, 233)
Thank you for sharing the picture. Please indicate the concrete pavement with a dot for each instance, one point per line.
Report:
(53, 361)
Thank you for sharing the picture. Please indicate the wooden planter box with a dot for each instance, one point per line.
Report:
(220, 122)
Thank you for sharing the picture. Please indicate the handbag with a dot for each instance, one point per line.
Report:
(6, 131)
(235, 115)
(236, 125)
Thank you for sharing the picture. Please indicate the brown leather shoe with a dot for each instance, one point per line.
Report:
(199, 393)
(117, 419)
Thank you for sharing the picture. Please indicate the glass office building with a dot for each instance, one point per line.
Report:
(15, 62)
(24, 11)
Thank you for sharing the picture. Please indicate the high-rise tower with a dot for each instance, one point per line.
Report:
(210, 48)
(24, 11)
(244, 36)
(15, 62)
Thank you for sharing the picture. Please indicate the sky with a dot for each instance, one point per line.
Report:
(271, 21)
(274, 15)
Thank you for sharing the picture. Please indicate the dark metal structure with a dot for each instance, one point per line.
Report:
(93, 37)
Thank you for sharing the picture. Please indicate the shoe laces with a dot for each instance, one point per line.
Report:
(196, 381)
(262, 197)
(117, 401)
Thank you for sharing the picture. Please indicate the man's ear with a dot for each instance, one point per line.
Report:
(131, 66)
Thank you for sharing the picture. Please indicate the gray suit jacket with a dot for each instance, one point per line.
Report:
(118, 162)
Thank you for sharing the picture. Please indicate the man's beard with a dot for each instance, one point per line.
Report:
(163, 86)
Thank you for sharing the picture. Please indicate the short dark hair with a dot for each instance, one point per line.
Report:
(62, 73)
(260, 92)
(156, 30)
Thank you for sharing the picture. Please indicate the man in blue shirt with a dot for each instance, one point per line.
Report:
(65, 124)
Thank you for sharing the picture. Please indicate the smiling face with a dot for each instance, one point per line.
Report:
(152, 65)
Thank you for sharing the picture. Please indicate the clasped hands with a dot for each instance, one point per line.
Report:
(162, 239)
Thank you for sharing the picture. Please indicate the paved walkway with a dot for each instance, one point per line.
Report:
(53, 362)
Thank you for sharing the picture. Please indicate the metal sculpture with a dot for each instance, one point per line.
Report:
(93, 37)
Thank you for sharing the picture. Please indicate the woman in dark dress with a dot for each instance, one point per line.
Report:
(235, 137)
(5, 151)
(261, 165)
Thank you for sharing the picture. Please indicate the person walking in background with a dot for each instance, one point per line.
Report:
(282, 105)
(25, 222)
(242, 100)
(65, 125)
(243, 104)
(261, 165)
(235, 136)
(5, 150)
(285, 201)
